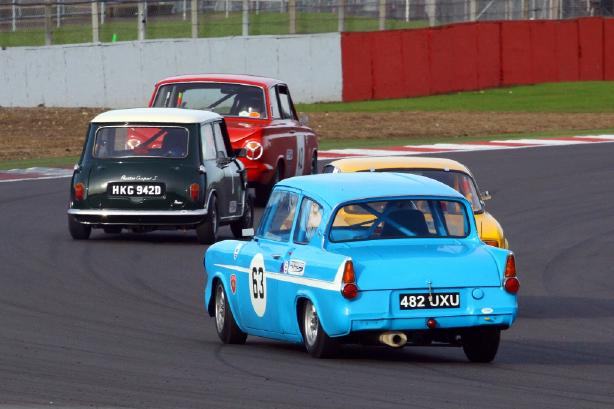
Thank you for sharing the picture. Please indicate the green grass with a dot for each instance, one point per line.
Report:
(327, 144)
(597, 96)
(62, 162)
(211, 25)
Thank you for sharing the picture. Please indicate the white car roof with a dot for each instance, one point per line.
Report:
(157, 115)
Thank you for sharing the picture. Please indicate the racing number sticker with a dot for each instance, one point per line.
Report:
(257, 284)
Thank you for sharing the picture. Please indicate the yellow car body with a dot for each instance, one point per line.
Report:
(448, 171)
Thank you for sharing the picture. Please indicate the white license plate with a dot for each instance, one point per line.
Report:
(429, 301)
(135, 189)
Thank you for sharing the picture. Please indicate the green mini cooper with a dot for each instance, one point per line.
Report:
(159, 168)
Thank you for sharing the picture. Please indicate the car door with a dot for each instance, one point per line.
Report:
(214, 172)
(228, 203)
(306, 259)
(296, 151)
(263, 258)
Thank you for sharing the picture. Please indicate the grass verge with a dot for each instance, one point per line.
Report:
(211, 25)
(332, 143)
(579, 97)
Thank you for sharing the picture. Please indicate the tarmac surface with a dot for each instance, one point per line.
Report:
(117, 321)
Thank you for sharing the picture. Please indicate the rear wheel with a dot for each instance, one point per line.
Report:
(481, 344)
(208, 230)
(316, 340)
(246, 221)
(225, 324)
(77, 230)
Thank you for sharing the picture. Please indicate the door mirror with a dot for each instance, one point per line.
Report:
(247, 232)
(240, 153)
(485, 195)
(223, 162)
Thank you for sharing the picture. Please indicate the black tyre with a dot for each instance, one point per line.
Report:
(77, 230)
(225, 324)
(208, 230)
(264, 191)
(481, 344)
(246, 221)
(112, 229)
(314, 163)
(316, 340)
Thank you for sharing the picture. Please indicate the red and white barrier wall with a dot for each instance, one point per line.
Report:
(470, 56)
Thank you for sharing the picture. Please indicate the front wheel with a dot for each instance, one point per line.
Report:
(317, 342)
(225, 324)
(481, 344)
(77, 230)
(207, 231)
(246, 221)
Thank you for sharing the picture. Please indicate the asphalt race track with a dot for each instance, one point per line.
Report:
(117, 321)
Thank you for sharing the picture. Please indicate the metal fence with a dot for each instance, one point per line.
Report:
(37, 22)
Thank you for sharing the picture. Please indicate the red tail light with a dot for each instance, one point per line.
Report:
(79, 191)
(493, 243)
(194, 191)
(349, 288)
(510, 266)
(512, 285)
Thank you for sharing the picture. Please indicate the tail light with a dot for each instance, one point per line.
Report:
(493, 243)
(79, 191)
(349, 288)
(510, 266)
(194, 191)
(511, 283)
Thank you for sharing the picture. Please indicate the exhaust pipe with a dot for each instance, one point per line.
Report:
(394, 339)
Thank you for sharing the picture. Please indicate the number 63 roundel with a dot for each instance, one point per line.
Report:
(257, 284)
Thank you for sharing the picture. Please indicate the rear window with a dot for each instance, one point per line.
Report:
(401, 218)
(126, 142)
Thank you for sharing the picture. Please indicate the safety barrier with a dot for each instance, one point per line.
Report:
(471, 56)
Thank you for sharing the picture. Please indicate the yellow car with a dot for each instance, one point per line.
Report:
(450, 172)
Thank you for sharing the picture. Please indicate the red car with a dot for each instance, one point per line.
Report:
(260, 117)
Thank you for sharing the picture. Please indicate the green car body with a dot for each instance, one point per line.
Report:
(158, 168)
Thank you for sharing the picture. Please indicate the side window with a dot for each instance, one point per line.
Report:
(274, 103)
(309, 219)
(285, 102)
(276, 223)
(329, 169)
(219, 141)
(207, 142)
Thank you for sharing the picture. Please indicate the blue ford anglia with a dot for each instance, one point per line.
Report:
(371, 258)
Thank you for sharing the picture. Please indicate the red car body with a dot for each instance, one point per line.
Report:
(278, 144)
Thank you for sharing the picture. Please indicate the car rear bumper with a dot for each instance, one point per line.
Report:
(379, 311)
(138, 217)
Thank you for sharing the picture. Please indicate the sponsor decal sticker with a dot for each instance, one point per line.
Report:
(289, 154)
(296, 267)
(233, 283)
(487, 310)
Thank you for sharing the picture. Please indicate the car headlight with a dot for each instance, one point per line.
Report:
(253, 150)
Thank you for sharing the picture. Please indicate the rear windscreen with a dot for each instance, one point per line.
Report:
(400, 218)
(126, 142)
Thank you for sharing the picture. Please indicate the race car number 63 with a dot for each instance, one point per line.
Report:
(257, 283)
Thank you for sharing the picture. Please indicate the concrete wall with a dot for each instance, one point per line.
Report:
(120, 75)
